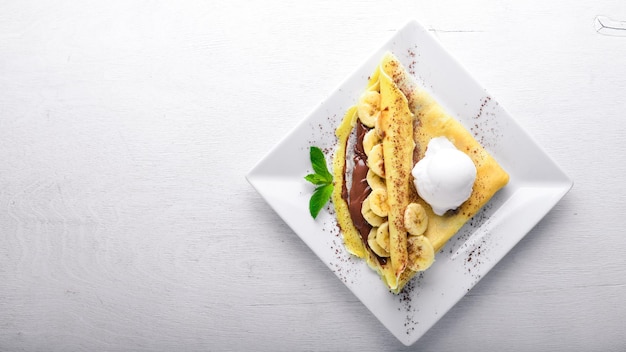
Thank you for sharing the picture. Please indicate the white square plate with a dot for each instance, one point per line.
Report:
(536, 185)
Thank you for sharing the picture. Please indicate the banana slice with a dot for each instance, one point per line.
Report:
(375, 181)
(378, 202)
(382, 236)
(369, 215)
(368, 108)
(375, 160)
(373, 243)
(379, 128)
(415, 219)
(370, 139)
(421, 253)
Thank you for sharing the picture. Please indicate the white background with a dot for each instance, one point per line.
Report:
(127, 127)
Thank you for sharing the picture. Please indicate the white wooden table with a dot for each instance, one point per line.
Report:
(126, 129)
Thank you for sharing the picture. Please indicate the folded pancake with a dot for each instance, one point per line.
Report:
(396, 130)
(392, 124)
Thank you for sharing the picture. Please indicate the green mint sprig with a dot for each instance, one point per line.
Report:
(322, 178)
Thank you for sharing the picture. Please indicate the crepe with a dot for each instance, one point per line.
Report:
(402, 119)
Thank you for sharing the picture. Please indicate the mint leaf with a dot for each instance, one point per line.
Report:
(319, 164)
(316, 179)
(319, 198)
(322, 178)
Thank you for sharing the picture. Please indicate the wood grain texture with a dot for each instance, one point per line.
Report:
(126, 129)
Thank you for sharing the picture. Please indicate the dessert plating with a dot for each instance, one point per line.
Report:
(381, 215)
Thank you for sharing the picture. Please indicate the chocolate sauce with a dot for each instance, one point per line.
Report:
(360, 189)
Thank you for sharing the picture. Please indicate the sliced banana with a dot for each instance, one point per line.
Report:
(375, 160)
(368, 108)
(373, 243)
(421, 253)
(369, 215)
(379, 128)
(370, 139)
(375, 181)
(415, 219)
(382, 236)
(378, 202)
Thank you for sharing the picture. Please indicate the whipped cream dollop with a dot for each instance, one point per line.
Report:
(444, 178)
